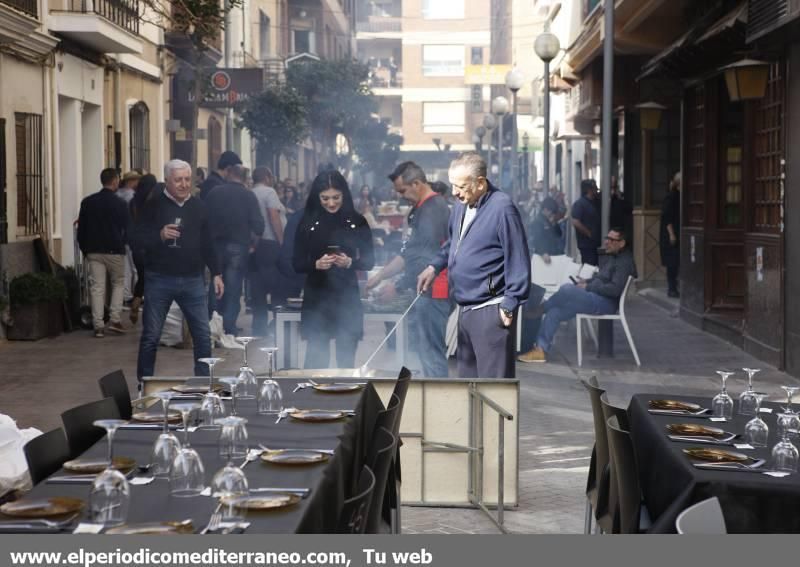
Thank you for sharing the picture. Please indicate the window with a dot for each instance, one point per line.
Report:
(476, 55)
(767, 210)
(442, 60)
(303, 41)
(30, 174)
(263, 35)
(476, 98)
(443, 9)
(443, 117)
(139, 117)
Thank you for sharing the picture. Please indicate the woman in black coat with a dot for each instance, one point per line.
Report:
(669, 237)
(331, 243)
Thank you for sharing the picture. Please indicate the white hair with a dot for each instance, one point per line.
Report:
(473, 162)
(175, 165)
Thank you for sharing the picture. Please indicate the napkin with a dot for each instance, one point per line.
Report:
(141, 480)
(88, 528)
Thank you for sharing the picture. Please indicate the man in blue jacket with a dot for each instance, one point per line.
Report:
(489, 270)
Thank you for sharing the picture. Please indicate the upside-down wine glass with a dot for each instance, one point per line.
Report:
(790, 392)
(747, 399)
(270, 396)
(167, 445)
(722, 404)
(212, 407)
(756, 431)
(111, 493)
(230, 481)
(248, 387)
(784, 454)
(232, 382)
(187, 475)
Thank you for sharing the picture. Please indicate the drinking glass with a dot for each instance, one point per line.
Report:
(747, 399)
(230, 480)
(722, 404)
(270, 396)
(756, 431)
(248, 387)
(177, 222)
(187, 475)
(211, 409)
(232, 382)
(790, 391)
(785, 455)
(270, 352)
(110, 496)
(167, 445)
(788, 427)
(212, 362)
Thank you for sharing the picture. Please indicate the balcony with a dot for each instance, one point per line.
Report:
(379, 24)
(25, 6)
(107, 26)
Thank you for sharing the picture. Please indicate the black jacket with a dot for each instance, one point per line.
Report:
(103, 224)
(546, 237)
(613, 275)
(210, 182)
(234, 214)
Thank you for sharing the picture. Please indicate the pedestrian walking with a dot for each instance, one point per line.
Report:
(175, 236)
(489, 269)
(670, 234)
(586, 220)
(227, 160)
(144, 192)
(331, 243)
(102, 236)
(236, 223)
(427, 231)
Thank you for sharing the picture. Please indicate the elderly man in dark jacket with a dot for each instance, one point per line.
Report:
(597, 296)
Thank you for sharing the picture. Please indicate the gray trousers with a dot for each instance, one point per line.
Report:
(101, 265)
(485, 346)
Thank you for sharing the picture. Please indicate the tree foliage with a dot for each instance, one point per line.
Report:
(377, 149)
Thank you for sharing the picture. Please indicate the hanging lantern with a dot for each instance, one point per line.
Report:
(650, 115)
(746, 79)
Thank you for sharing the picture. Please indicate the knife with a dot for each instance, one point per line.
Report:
(302, 492)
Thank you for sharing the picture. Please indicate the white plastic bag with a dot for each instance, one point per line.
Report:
(13, 466)
(218, 336)
(172, 333)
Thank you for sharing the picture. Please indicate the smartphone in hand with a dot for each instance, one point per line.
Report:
(333, 250)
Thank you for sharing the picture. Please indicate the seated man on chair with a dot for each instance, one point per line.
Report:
(598, 296)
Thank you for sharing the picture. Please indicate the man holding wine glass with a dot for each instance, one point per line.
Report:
(176, 238)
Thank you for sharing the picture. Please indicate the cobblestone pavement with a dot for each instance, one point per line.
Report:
(41, 379)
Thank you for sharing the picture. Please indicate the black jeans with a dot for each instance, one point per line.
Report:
(264, 279)
(672, 277)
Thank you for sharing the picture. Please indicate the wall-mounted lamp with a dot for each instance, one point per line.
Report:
(650, 115)
(746, 79)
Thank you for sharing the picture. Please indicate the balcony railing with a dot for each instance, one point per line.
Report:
(379, 24)
(123, 13)
(27, 6)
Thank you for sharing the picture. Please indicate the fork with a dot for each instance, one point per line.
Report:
(284, 413)
(214, 521)
(252, 455)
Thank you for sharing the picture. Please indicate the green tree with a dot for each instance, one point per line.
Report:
(376, 148)
(277, 119)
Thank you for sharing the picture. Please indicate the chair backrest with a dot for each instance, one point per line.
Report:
(624, 296)
(400, 390)
(600, 435)
(705, 517)
(627, 473)
(81, 434)
(612, 496)
(611, 411)
(45, 454)
(115, 386)
(386, 445)
(389, 417)
(355, 510)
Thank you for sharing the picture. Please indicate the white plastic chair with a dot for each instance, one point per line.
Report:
(705, 517)
(619, 316)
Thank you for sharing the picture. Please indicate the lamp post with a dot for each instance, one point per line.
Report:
(514, 82)
(500, 109)
(480, 132)
(526, 139)
(489, 122)
(546, 47)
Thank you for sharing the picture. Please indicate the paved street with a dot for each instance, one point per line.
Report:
(42, 379)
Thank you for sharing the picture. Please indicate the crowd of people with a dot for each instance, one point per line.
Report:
(203, 241)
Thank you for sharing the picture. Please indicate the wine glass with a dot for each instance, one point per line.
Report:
(270, 352)
(167, 445)
(747, 399)
(111, 494)
(177, 222)
(270, 396)
(722, 404)
(248, 387)
(187, 475)
(212, 361)
(230, 481)
(785, 455)
(756, 431)
(232, 382)
(790, 391)
(211, 409)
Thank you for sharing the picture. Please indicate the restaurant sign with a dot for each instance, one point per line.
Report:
(229, 87)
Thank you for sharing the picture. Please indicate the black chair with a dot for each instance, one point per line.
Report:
(115, 386)
(633, 517)
(609, 521)
(81, 434)
(383, 448)
(597, 483)
(393, 495)
(355, 510)
(45, 454)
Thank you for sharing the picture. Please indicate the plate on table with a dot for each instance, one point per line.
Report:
(42, 507)
(674, 405)
(293, 457)
(692, 430)
(154, 528)
(262, 502)
(717, 455)
(317, 415)
(147, 417)
(195, 389)
(338, 387)
(90, 466)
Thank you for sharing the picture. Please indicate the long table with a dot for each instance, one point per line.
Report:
(330, 483)
(752, 502)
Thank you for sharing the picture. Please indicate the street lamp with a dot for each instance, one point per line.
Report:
(546, 47)
(489, 122)
(650, 115)
(480, 132)
(526, 139)
(500, 109)
(746, 79)
(514, 82)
